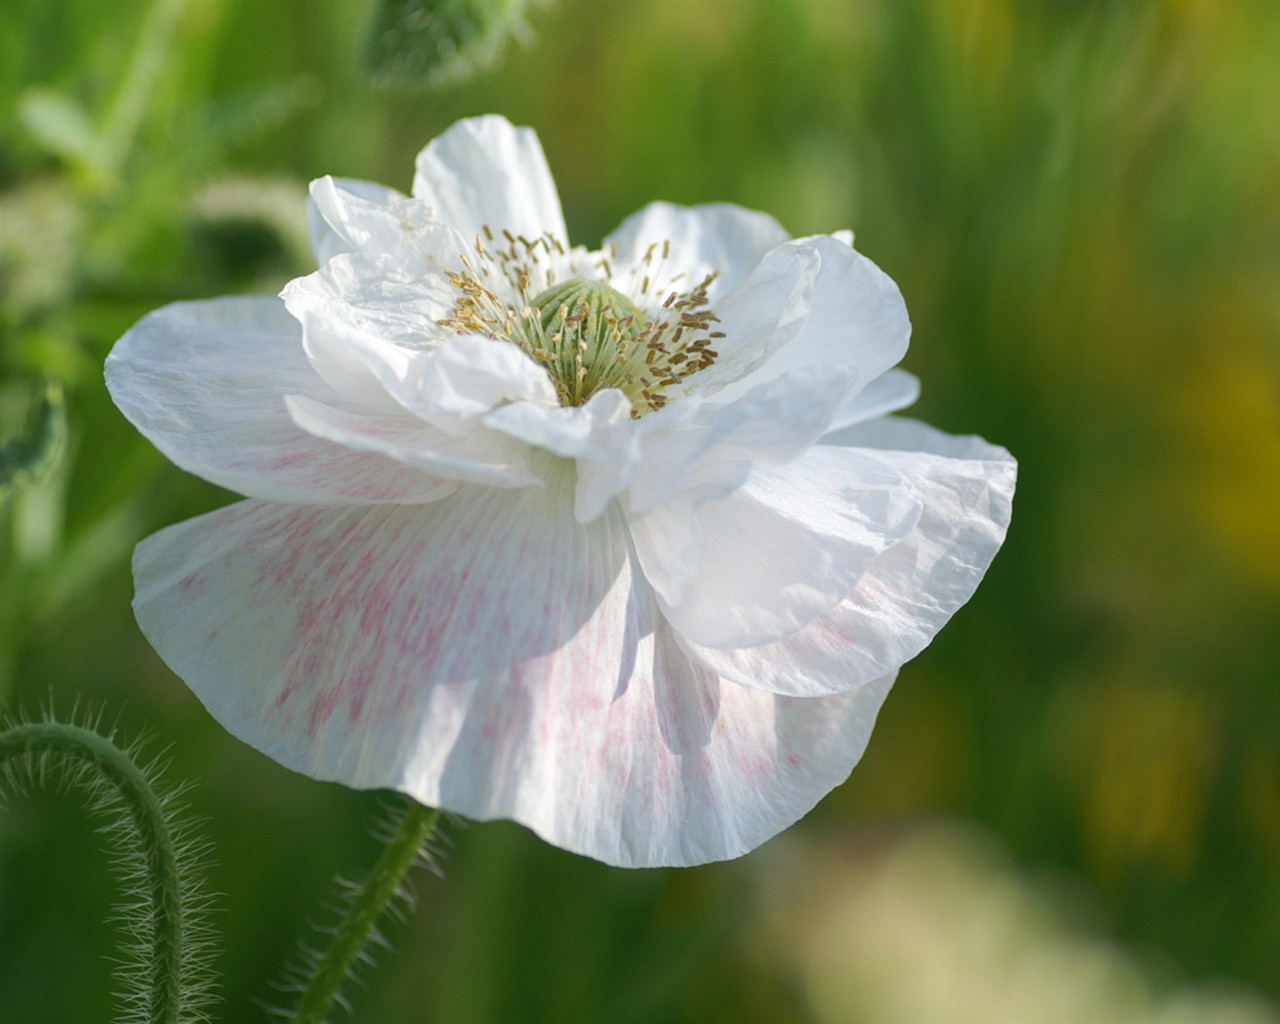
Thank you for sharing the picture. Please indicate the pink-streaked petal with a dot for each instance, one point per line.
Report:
(345, 215)
(600, 436)
(911, 590)
(728, 767)
(891, 391)
(492, 657)
(206, 383)
(715, 238)
(832, 306)
(486, 172)
(683, 768)
(373, 645)
(781, 551)
(479, 456)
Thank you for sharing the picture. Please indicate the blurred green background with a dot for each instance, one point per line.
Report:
(1070, 809)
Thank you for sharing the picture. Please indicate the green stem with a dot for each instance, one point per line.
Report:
(156, 844)
(368, 904)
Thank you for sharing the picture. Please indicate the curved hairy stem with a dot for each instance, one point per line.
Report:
(368, 902)
(165, 970)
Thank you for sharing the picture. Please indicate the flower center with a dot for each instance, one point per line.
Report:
(586, 333)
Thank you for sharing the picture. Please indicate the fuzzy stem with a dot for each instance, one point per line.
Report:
(368, 904)
(164, 880)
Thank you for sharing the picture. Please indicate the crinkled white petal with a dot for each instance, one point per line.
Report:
(479, 456)
(469, 375)
(459, 376)
(206, 383)
(345, 215)
(891, 391)
(492, 657)
(911, 590)
(706, 449)
(822, 304)
(485, 172)
(700, 240)
(379, 294)
(358, 351)
(600, 435)
(781, 551)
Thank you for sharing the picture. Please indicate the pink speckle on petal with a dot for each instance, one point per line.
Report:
(290, 460)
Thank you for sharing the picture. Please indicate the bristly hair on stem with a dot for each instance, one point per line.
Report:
(407, 832)
(164, 967)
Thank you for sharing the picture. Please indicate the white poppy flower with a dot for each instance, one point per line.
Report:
(618, 544)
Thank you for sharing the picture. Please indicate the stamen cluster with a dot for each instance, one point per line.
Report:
(588, 334)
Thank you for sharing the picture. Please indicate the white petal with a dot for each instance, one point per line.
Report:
(359, 333)
(206, 382)
(469, 375)
(762, 314)
(477, 457)
(891, 391)
(381, 294)
(706, 449)
(345, 215)
(668, 542)
(485, 172)
(903, 434)
(591, 431)
(489, 656)
(715, 238)
(601, 436)
(457, 376)
(683, 768)
(911, 590)
(778, 553)
(831, 307)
